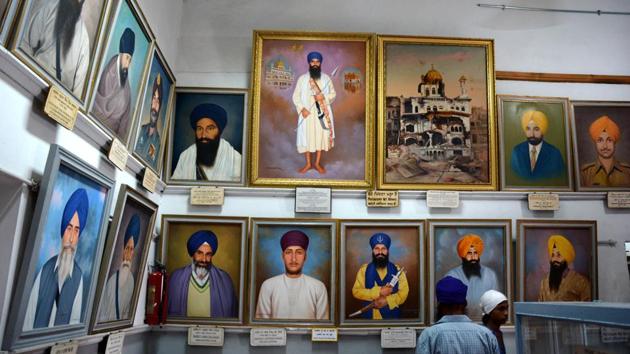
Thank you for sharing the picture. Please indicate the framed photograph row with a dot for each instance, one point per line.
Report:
(103, 54)
(326, 272)
(75, 276)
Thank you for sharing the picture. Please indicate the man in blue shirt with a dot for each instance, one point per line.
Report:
(455, 333)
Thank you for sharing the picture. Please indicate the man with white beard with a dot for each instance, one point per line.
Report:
(119, 288)
(57, 295)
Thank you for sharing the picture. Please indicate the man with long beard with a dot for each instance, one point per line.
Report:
(372, 282)
(211, 157)
(314, 93)
(477, 277)
(57, 39)
(119, 288)
(562, 283)
(149, 137)
(57, 295)
(201, 289)
(293, 294)
(536, 158)
(112, 100)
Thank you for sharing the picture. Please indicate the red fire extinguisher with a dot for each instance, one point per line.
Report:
(156, 295)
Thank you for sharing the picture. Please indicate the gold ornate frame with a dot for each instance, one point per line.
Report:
(259, 39)
(488, 46)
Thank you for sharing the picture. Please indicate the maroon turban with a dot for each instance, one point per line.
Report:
(294, 238)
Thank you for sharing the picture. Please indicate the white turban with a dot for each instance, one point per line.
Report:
(490, 299)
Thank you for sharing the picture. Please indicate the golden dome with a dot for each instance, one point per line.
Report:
(279, 65)
(432, 76)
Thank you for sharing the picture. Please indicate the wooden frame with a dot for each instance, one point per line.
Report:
(321, 267)
(427, 140)
(69, 185)
(554, 165)
(7, 16)
(493, 232)
(407, 250)
(181, 137)
(589, 174)
(278, 64)
(231, 234)
(164, 114)
(44, 63)
(131, 207)
(574, 231)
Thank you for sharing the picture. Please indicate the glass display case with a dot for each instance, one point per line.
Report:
(572, 328)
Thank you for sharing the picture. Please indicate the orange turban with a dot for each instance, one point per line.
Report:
(464, 243)
(604, 124)
(537, 117)
(563, 245)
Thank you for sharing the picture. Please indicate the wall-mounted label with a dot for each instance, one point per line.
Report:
(443, 199)
(398, 338)
(543, 201)
(207, 196)
(268, 337)
(149, 181)
(206, 336)
(61, 108)
(118, 154)
(115, 343)
(324, 335)
(65, 348)
(381, 199)
(615, 335)
(312, 200)
(618, 199)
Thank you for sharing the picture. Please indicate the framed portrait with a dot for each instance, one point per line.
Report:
(59, 40)
(124, 261)
(477, 252)
(292, 276)
(382, 272)
(436, 118)
(312, 109)
(64, 246)
(205, 262)
(557, 260)
(118, 80)
(207, 141)
(8, 9)
(535, 143)
(154, 112)
(601, 141)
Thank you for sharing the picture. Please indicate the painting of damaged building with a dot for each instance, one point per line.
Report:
(435, 115)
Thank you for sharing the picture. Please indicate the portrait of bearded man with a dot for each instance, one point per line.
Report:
(562, 282)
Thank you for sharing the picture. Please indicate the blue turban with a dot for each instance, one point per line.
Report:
(78, 203)
(451, 291)
(314, 55)
(133, 230)
(209, 110)
(294, 238)
(380, 238)
(199, 238)
(127, 42)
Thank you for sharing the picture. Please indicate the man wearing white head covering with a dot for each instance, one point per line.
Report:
(494, 306)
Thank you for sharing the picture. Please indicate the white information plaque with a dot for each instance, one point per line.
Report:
(381, 199)
(268, 337)
(118, 154)
(207, 196)
(398, 338)
(115, 343)
(618, 199)
(205, 336)
(61, 108)
(149, 181)
(443, 199)
(65, 348)
(324, 335)
(543, 201)
(312, 200)
(615, 335)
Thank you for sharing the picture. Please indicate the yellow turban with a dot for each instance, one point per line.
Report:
(604, 124)
(563, 245)
(464, 243)
(538, 117)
